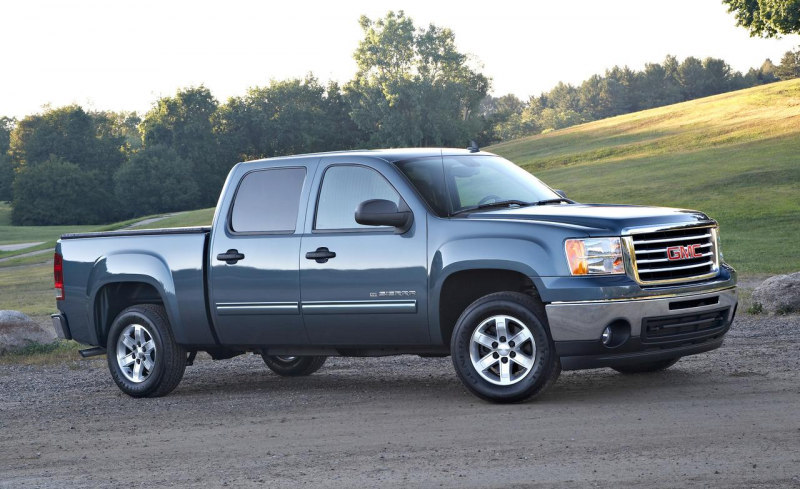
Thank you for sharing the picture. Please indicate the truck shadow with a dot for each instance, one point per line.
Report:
(423, 384)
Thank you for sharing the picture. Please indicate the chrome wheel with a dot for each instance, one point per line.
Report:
(286, 359)
(502, 350)
(136, 353)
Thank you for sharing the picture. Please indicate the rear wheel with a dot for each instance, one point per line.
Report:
(143, 357)
(641, 368)
(292, 366)
(502, 350)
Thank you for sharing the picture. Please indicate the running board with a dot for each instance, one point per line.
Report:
(92, 352)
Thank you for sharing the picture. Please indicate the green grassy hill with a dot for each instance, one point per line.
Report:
(734, 156)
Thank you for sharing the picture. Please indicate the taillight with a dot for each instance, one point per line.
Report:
(58, 276)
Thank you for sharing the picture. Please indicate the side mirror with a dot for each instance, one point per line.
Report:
(379, 212)
(561, 193)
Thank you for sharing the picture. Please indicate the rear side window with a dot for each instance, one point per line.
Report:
(268, 201)
(343, 189)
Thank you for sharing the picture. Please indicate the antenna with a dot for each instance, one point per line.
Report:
(473, 147)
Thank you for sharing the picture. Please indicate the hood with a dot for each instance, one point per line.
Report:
(598, 219)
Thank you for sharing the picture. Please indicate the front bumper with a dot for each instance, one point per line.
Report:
(673, 326)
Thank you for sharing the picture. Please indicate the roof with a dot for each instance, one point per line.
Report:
(390, 155)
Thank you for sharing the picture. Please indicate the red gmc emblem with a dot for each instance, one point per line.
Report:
(684, 252)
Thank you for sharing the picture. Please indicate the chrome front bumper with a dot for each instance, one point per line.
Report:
(585, 321)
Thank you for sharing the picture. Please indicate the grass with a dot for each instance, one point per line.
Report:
(734, 156)
(60, 351)
(28, 289)
(201, 217)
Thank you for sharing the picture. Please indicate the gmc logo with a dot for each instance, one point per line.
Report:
(684, 252)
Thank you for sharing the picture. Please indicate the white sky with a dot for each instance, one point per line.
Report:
(123, 55)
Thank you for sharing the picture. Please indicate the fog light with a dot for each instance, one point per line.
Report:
(607, 336)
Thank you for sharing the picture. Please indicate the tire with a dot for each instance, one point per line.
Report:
(166, 359)
(293, 366)
(498, 383)
(643, 368)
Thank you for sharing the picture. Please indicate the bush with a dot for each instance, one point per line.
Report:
(58, 192)
(155, 180)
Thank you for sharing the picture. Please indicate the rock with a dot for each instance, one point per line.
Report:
(18, 331)
(779, 294)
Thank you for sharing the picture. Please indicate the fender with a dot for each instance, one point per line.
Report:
(511, 254)
(135, 267)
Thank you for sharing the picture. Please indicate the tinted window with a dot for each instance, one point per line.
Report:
(454, 183)
(268, 200)
(427, 176)
(343, 189)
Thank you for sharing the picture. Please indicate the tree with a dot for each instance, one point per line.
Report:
(6, 166)
(718, 75)
(6, 178)
(155, 180)
(790, 65)
(6, 127)
(413, 87)
(766, 18)
(56, 192)
(287, 117)
(66, 138)
(185, 123)
(71, 134)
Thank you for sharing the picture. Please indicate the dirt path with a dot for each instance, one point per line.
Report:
(19, 246)
(730, 418)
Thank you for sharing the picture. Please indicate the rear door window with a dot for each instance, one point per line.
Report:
(268, 201)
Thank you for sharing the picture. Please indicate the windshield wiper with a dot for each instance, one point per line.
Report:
(489, 205)
(553, 201)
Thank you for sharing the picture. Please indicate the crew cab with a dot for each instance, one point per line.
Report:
(428, 252)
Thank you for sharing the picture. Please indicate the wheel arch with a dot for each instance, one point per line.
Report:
(120, 281)
(457, 290)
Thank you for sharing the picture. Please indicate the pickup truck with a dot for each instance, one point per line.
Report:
(428, 252)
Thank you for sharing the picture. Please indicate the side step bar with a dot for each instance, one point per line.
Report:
(92, 352)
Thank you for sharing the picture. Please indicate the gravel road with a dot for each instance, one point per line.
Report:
(728, 418)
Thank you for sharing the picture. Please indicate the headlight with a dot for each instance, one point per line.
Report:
(594, 256)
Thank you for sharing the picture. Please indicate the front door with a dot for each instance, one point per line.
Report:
(254, 276)
(373, 291)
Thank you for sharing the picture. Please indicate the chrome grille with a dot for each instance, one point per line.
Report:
(649, 255)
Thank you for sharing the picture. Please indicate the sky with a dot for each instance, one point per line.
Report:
(124, 55)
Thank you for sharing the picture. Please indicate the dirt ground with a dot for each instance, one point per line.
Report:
(729, 418)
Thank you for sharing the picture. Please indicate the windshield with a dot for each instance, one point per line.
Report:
(454, 183)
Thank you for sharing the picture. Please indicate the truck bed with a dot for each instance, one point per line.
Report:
(137, 232)
(172, 262)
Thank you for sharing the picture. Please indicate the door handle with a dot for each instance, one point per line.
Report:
(230, 257)
(322, 255)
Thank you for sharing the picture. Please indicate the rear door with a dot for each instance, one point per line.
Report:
(374, 291)
(254, 255)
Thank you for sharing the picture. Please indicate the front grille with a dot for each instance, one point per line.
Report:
(652, 265)
(687, 327)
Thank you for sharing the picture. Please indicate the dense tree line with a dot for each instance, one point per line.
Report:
(621, 90)
(413, 87)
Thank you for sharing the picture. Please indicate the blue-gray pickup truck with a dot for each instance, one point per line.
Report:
(429, 252)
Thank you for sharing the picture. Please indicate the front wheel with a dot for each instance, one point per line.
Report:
(143, 357)
(288, 366)
(501, 348)
(642, 368)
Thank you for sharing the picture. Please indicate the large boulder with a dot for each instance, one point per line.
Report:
(18, 331)
(779, 294)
